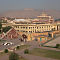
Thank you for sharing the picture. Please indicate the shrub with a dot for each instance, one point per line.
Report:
(26, 51)
(0, 25)
(13, 56)
(5, 29)
(17, 47)
(57, 45)
(6, 50)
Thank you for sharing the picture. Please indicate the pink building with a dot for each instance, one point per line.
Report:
(11, 34)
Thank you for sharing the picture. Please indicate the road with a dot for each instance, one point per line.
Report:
(14, 41)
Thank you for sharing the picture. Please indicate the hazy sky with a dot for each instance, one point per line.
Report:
(6, 5)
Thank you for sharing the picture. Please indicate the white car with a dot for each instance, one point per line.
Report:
(22, 43)
(7, 43)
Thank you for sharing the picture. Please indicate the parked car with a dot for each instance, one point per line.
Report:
(7, 43)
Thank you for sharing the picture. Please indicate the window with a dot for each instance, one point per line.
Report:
(17, 30)
(49, 26)
(33, 27)
(35, 30)
(37, 27)
(26, 31)
(26, 27)
(29, 27)
(31, 31)
(21, 27)
(23, 31)
(18, 26)
(40, 27)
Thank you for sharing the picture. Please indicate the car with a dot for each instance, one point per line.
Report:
(18, 45)
(22, 43)
(4, 43)
(7, 43)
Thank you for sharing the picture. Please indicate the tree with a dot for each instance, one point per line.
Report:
(0, 28)
(13, 56)
(17, 47)
(5, 29)
(26, 51)
(0, 25)
(6, 50)
(57, 45)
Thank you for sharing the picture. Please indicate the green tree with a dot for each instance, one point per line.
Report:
(13, 56)
(6, 50)
(26, 51)
(5, 29)
(57, 45)
(17, 47)
(0, 25)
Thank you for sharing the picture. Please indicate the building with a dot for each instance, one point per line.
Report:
(34, 28)
(33, 31)
(44, 18)
(9, 35)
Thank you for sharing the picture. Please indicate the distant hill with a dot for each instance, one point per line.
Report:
(26, 13)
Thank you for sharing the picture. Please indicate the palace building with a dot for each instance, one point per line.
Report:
(35, 29)
(44, 18)
(32, 28)
(41, 24)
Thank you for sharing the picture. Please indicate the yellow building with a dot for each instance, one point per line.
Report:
(33, 36)
(32, 28)
(35, 30)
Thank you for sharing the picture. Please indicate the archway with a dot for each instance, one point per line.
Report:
(24, 37)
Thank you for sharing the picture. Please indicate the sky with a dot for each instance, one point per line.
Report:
(6, 5)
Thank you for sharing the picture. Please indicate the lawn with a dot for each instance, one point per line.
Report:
(46, 53)
(23, 47)
(2, 54)
(22, 58)
(2, 40)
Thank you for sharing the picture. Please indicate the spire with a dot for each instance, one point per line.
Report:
(44, 13)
